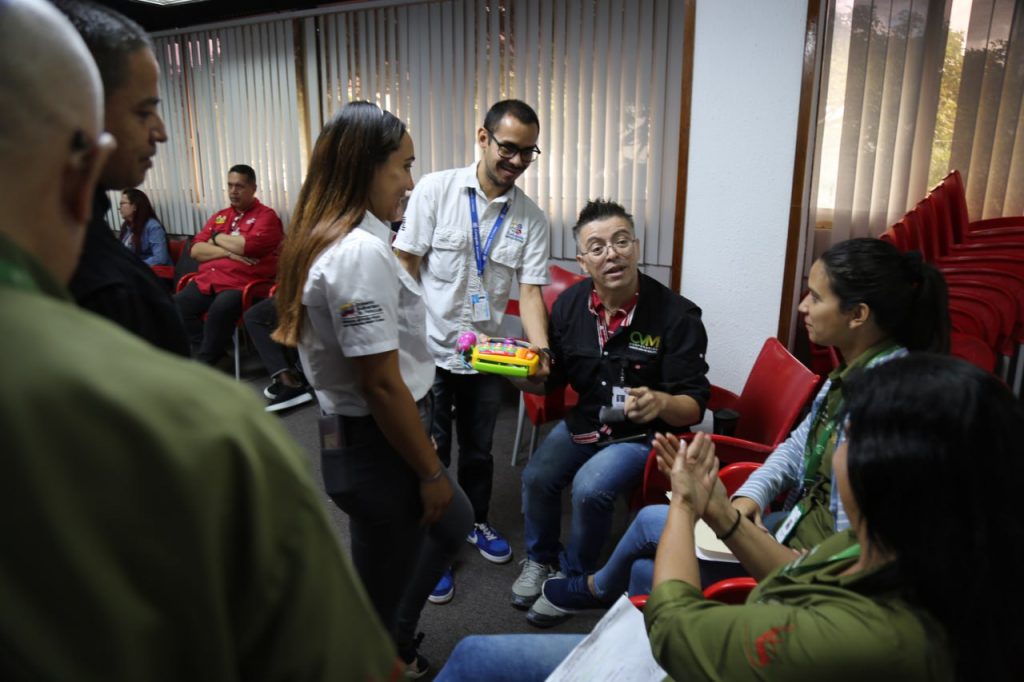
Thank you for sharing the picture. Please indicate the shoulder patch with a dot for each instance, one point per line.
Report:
(765, 646)
(358, 313)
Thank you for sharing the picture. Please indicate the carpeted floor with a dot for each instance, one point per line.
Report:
(482, 589)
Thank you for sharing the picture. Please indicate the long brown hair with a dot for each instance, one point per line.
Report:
(333, 199)
(143, 212)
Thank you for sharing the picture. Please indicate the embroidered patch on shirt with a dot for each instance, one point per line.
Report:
(220, 220)
(766, 646)
(645, 343)
(358, 313)
(516, 233)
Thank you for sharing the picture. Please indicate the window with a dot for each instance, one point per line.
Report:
(910, 90)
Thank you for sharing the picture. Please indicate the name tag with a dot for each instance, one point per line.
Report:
(784, 531)
(481, 307)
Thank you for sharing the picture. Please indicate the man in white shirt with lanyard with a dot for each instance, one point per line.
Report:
(467, 232)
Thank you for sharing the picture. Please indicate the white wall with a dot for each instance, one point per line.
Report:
(746, 93)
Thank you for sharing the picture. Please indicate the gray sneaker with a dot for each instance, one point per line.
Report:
(526, 588)
(544, 615)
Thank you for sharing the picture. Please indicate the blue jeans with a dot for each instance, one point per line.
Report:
(507, 658)
(631, 564)
(597, 476)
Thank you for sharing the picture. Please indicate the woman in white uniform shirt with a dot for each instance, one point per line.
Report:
(358, 320)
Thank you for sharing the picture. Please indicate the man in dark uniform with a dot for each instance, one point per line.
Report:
(634, 351)
(110, 280)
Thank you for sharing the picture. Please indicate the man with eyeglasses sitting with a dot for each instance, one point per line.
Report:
(466, 233)
(634, 351)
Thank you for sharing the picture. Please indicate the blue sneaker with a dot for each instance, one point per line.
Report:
(570, 595)
(445, 588)
(492, 546)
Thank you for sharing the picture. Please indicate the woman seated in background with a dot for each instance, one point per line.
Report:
(870, 302)
(141, 231)
(359, 322)
(928, 478)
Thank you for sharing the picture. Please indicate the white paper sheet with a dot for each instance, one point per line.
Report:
(617, 650)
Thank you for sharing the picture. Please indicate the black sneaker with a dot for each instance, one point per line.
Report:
(416, 664)
(290, 396)
(271, 390)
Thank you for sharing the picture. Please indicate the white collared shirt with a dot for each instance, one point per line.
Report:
(438, 227)
(359, 300)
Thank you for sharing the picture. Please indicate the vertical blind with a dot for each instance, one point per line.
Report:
(988, 138)
(603, 75)
(894, 70)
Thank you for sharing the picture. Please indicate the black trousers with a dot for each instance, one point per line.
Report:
(260, 322)
(210, 337)
(475, 400)
(398, 560)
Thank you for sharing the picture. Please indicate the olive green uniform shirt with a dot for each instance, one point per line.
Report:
(810, 624)
(155, 523)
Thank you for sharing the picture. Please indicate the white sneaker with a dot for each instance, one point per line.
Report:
(527, 586)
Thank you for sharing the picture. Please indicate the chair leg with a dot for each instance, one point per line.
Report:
(533, 438)
(519, 429)
(238, 354)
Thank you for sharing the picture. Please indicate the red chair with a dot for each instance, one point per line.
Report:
(728, 591)
(973, 350)
(731, 590)
(541, 409)
(254, 291)
(736, 474)
(962, 230)
(166, 272)
(772, 399)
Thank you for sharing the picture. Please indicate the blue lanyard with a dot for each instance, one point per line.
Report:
(481, 256)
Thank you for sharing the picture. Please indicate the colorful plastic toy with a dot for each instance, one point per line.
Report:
(508, 357)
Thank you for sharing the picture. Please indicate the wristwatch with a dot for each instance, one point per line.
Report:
(551, 356)
(213, 238)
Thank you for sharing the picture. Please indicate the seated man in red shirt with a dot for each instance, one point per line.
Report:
(236, 246)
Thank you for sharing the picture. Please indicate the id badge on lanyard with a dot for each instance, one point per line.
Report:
(480, 302)
(481, 306)
(786, 529)
(619, 393)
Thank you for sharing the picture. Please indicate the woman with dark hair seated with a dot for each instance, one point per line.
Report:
(870, 302)
(928, 478)
(141, 231)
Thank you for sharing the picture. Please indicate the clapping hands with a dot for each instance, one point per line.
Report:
(692, 468)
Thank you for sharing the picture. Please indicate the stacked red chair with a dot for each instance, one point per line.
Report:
(983, 263)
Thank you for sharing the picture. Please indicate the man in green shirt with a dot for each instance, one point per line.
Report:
(156, 523)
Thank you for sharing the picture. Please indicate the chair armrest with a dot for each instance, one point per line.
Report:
(731, 590)
(729, 449)
(256, 290)
(721, 398)
(185, 279)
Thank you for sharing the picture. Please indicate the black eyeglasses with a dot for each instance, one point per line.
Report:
(507, 150)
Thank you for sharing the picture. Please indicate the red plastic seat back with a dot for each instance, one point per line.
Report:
(176, 246)
(956, 199)
(545, 408)
(973, 350)
(561, 279)
(776, 391)
(731, 590)
(975, 317)
(736, 474)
